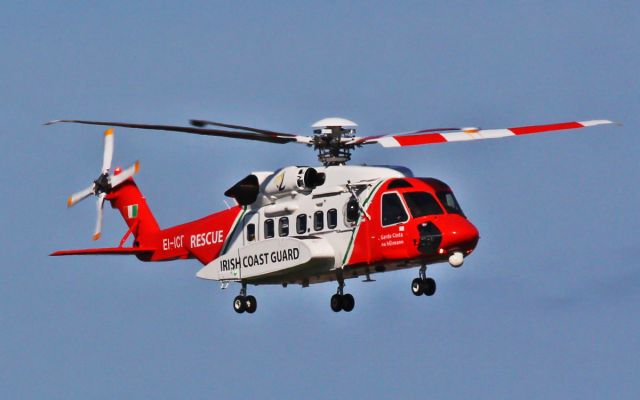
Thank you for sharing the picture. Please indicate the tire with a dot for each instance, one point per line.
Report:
(417, 287)
(336, 303)
(239, 305)
(429, 286)
(251, 304)
(348, 302)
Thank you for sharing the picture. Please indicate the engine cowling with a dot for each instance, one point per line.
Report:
(289, 179)
(279, 184)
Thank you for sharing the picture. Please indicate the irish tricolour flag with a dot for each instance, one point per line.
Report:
(132, 211)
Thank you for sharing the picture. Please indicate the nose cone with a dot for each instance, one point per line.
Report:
(459, 234)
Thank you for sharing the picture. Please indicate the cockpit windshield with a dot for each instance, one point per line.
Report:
(449, 202)
(421, 204)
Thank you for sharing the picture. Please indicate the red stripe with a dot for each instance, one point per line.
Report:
(414, 140)
(525, 130)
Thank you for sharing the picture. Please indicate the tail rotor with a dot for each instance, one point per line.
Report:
(105, 183)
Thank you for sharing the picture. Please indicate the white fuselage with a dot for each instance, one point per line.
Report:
(296, 232)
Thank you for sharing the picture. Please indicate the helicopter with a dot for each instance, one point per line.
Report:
(304, 225)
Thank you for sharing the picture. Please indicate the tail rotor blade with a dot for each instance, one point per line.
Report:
(125, 174)
(99, 204)
(81, 195)
(108, 150)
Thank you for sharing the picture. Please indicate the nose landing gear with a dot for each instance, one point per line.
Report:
(423, 284)
(243, 303)
(341, 301)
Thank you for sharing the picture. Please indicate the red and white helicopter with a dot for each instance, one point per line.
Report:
(305, 225)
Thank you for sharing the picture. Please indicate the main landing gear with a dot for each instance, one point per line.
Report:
(422, 284)
(243, 303)
(341, 301)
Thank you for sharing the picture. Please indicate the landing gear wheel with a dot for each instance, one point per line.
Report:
(417, 287)
(336, 302)
(429, 286)
(239, 304)
(251, 304)
(348, 302)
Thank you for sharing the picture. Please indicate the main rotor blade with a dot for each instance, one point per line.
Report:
(81, 195)
(108, 150)
(202, 123)
(115, 180)
(197, 131)
(98, 231)
(467, 134)
(371, 139)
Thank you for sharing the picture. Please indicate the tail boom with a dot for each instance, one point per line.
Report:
(203, 239)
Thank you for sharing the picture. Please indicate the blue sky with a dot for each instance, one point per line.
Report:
(547, 306)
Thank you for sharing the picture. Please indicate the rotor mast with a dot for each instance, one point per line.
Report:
(330, 139)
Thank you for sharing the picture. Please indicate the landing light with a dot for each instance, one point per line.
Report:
(456, 259)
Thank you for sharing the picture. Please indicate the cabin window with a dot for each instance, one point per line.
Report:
(421, 204)
(353, 211)
(318, 220)
(301, 224)
(251, 232)
(449, 202)
(283, 226)
(393, 211)
(332, 218)
(269, 230)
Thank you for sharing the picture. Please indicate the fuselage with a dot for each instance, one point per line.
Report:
(359, 220)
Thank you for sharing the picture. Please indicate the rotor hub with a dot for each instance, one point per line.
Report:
(331, 136)
(102, 184)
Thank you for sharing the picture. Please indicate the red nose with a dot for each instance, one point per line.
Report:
(458, 234)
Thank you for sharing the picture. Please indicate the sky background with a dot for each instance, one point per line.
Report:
(547, 306)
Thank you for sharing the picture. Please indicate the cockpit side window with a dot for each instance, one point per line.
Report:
(393, 210)
(421, 204)
(449, 202)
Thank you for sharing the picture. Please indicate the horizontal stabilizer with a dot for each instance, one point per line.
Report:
(106, 251)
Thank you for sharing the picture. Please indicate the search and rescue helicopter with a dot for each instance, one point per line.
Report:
(305, 225)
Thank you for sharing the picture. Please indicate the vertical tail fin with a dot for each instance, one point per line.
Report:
(133, 207)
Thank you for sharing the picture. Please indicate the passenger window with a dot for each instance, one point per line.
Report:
(301, 223)
(269, 230)
(283, 226)
(421, 204)
(393, 211)
(332, 218)
(251, 232)
(318, 221)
